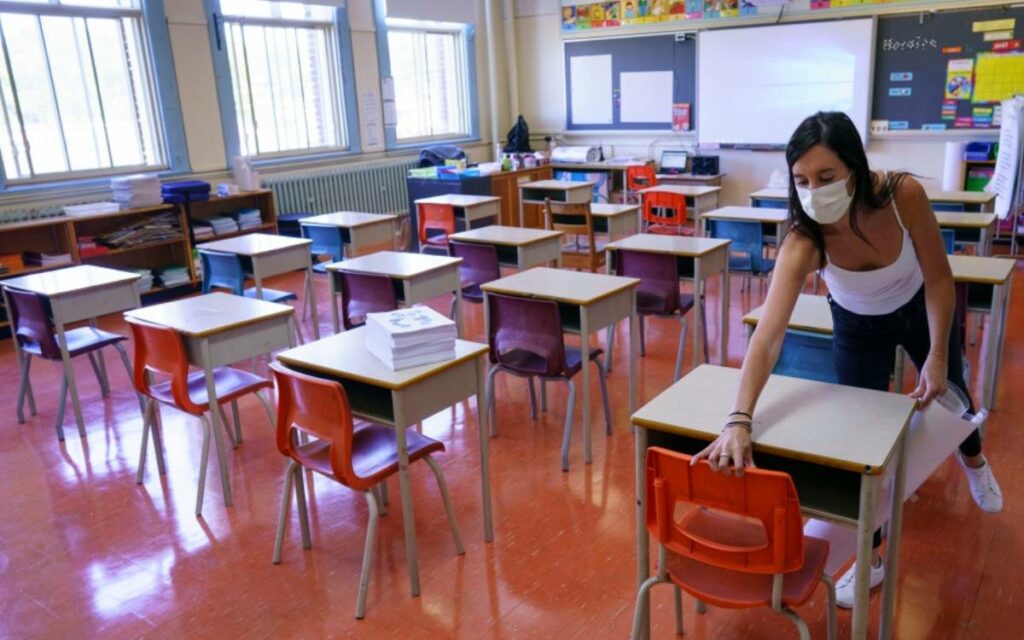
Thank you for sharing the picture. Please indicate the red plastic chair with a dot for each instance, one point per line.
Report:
(361, 459)
(665, 213)
(657, 295)
(639, 177)
(160, 352)
(738, 543)
(436, 223)
(363, 293)
(37, 336)
(478, 267)
(526, 339)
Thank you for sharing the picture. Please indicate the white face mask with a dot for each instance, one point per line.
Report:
(826, 204)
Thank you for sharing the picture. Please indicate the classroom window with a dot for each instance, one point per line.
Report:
(285, 77)
(431, 78)
(77, 92)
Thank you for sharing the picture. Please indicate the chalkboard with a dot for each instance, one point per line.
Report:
(926, 68)
(640, 54)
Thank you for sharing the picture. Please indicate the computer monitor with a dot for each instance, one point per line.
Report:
(673, 161)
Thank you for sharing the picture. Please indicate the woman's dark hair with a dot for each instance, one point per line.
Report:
(835, 131)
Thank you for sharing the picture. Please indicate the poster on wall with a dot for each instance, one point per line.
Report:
(959, 79)
(681, 116)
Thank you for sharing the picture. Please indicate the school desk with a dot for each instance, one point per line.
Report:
(589, 302)
(616, 171)
(969, 228)
(770, 198)
(615, 220)
(220, 329)
(698, 199)
(401, 399)
(273, 255)
(518, 247)
(417, 277)
(472, 211)
(361, 233)
(698, 258)
(774, 222)
(557, 190)
(78, 293)
(692, 179)
(835, 441)
(971, 201)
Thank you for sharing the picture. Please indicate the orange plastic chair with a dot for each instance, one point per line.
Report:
(361, 459)
(665, 213)
(639, 177)
(739, 545)
(435, 218)
(160, 352)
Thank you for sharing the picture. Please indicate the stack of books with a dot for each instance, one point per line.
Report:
(87, 247)
(172, 276)
(39, 259)
(145, 283)
(222, 225)
(248, 218)
(201, 229)
(91, 208)
(136, 191)
(152, 229)
(410, 337)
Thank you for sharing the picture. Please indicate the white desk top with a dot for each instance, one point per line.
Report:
(683, 189)
(255, 244)
(605, 210)
(841, 427)
(599, 166)
(395, 264)
(345, 355)
(505, 236)
(752, 214)
(965, 220)
(459, 200)
(690, 176)
(70, 280)
(771, 194)
(560, 285)
(960, 197)
(811, 313)
(981, 270)
(557, 185)
(685, 246)
(348, 219)
(208, 314)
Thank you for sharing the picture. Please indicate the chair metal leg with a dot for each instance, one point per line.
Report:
(146, 415)
(227, 426)
(100, 378)
(26, 362)
(679, 609)
(384, 493)
(451, 308)
(701, 607)
(704, 321)
(642, 597)
(305, 299)
(489, 392)
(570, 408)
(128, 369)
(236, 418)
(298, 334)
(611, 348)
(381, 507)
(60, 409)
(203, 461)
(222, 463)
(442, 486)
(641, 320)
(270, 412)
(801, 626)
(533, 398)
(833, 633)
(364, 573)
(157, 429)
(300, 499)
(602, 379)
(282, 517)
(679, 352)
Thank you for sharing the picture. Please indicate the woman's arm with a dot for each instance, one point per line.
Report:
(796, 260)
(939, 292)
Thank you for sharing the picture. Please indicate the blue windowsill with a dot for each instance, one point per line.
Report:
(422, 144)
(83, 183)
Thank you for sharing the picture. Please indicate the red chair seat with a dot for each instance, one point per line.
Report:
(523, 362)
(80, 341)
(472, 292)
(374, 452)
(229, 382)
(669, 230)
(271, 295)
(735, 590)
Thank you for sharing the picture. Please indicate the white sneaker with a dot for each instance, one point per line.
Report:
(845, 591)
(984, 488)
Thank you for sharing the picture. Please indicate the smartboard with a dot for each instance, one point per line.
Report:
(756, 84)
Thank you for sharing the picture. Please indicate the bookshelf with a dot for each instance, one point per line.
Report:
(262, 199)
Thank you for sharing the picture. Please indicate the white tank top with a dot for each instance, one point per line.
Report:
(878, 291)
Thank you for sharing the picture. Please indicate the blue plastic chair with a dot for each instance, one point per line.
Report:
(808, 356)
(328, 240)
(746, 253)
(949, 239)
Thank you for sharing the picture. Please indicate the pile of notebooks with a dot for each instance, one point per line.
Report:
(145, 282)
(222, 225)
(91, 209)
(185, 191)
(136, 191)
(410, 337)
(152, 229)
(39, 259)
(248, 218)
(172, 276)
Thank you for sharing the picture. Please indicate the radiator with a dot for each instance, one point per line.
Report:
(369, 187)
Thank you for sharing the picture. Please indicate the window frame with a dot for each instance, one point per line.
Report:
(343, 63)
(468, 35)
(166, 101)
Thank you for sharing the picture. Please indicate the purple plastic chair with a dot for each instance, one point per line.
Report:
(657, 295)
(479, 266)
(526, 340)
(363, 293)
(36, 336)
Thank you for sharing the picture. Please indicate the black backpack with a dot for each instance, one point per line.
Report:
(519, 138)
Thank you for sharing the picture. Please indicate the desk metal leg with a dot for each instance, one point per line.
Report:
(634, 334)
(69, 373)
(335, 321)
(483, 429)
(311, 296)
(698, 311)
(406, 490)
(1001, 341)
(893, 554)
(258, 277)
(101, 365)
(584, 353)
(726, 303)
(993, 344)
(522, 215)
(643, 560)
(865, 532)
(458, 310)
(215, 421)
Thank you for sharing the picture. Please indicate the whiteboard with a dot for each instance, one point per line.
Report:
(755, 85)
(645, 96)
(591, 89)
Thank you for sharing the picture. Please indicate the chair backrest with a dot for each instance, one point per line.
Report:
(363, 293)
(747, 238)
(948, 206)
(222, 270)
(574, 219)
(748, 524)
(160, 351)
(658, 290)
(320, 408)
(770, 203)
(327, 240)
(479, 262)
(526, 325)
(808, 356)
(30, 315)
(640, 177)
(435, 217)
(949, 240)
(663, 207)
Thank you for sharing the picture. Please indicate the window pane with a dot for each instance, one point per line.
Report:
(430, 83)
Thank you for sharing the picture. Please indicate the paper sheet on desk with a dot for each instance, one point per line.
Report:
(935, 433)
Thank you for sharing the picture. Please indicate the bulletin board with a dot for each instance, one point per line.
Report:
(947, 70)
(638, 83)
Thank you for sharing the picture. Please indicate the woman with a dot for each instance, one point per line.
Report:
(876, 241)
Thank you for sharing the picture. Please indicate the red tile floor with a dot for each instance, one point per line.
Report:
(84, 551)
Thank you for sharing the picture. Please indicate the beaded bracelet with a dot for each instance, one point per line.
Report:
(741, 413)
(739, 423)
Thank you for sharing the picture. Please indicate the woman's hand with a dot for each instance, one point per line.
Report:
(730, 448)
(932, 381)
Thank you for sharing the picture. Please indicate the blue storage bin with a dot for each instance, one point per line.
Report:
(978, 151)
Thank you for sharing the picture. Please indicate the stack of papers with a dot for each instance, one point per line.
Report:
(248, 218)
(136, 191)
(152, 229)
(145, 283)
(91, 208)
(410, 337)
(172, 276)
(37, 259)
(201, 229)
(222, 225)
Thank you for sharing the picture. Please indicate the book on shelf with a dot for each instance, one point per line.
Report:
(156, 228)
(172, 276)
(145, 282)
(410, 337)
(39, 259)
